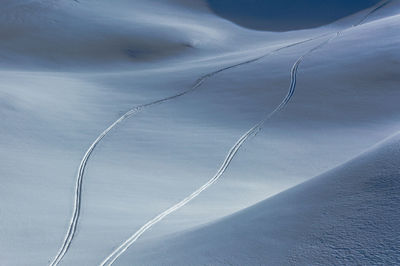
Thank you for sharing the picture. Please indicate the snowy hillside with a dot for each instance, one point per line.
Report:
(347, 216)
(132, 129)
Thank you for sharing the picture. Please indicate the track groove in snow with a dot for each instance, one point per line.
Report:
(81, 170)
(373, 10)
(228, 159)
(233, 151)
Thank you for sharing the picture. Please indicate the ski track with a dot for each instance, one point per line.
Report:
(232, 152)
(82, 167)
(228, 159)
(378, 6)
(253, 131)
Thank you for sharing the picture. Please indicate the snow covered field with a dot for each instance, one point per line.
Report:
(159, 132)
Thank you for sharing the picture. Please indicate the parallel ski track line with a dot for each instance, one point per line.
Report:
(82, 166)
(378, 6)
(81, 170)
(228, 159)
(233, 151)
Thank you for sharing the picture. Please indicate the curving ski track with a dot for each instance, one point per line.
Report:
(232, 152)
(81, 170)
(228, 159)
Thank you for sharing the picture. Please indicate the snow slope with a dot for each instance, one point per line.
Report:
(347, 216)
(70, 69)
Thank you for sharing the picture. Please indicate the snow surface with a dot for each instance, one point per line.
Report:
(70, 69)
(347, 216)
(284, 15)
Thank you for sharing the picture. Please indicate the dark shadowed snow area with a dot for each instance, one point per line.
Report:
(285, 15)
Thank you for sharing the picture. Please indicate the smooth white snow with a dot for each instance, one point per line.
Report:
(70, 69)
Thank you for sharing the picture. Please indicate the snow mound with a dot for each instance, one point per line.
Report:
(348, 215)
(87, 34)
